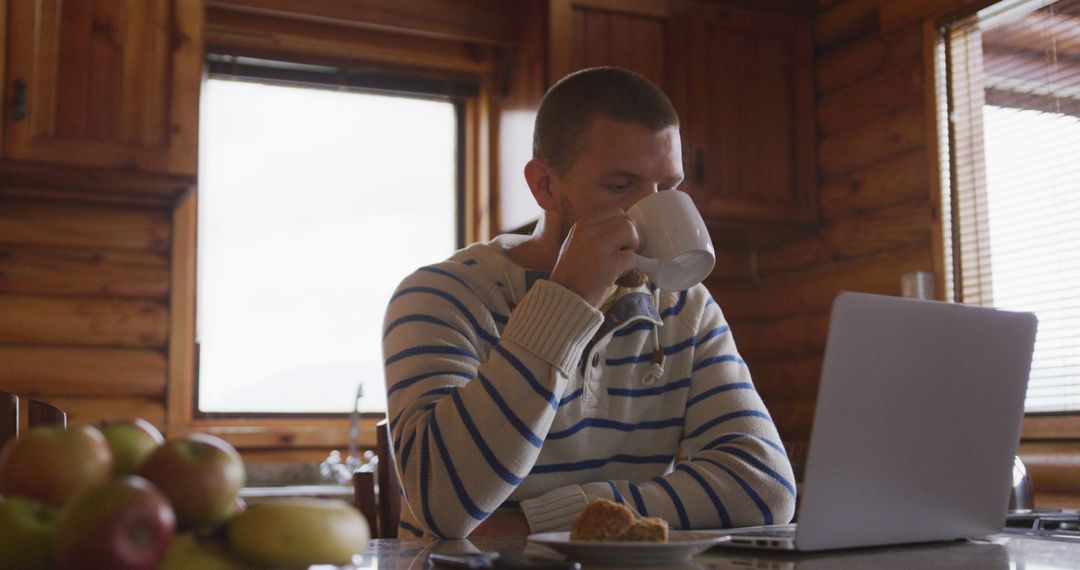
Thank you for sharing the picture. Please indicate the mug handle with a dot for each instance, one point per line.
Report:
(650, 266)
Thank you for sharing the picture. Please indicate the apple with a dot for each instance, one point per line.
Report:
(122, 524)
(201, 475)
(189, 551)
(51, 464)
(131, 442)
(299, 532)
(26, 533)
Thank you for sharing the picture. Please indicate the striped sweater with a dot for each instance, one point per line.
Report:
(505, 389)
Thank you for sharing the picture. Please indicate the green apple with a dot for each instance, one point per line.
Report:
(51, 464)
(189, 551)
(26, 534)
(201, 475)
(131, 442)
(299, 532)
(122, 524)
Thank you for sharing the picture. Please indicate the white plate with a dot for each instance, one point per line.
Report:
(681, 545)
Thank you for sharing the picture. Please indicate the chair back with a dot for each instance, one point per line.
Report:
(45, 414)
(9, 417)
(389, 485)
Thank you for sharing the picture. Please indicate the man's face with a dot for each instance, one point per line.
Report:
(616, 165)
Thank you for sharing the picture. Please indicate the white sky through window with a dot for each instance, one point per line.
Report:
(313, 205)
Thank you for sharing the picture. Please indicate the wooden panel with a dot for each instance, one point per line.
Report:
(897, 14)
(90, 184)
(85, 411)
(873, 142)
(790, 378)
(896, 179)
(476, 20)
(846, 21)
(813, 291)
(90, 321)
(83, 272)
(849, 63)
(796, 335)
(1054, 466)
(895, 89)
(35, 222)
(103, 372)
(794, 418)
(732, 262)
(887, 229)
(323, 436)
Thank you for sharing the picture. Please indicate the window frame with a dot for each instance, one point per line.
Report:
(308, 435)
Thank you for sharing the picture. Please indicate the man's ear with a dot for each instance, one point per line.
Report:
(538, 175)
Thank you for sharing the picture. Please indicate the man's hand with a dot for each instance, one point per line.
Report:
(503, 522)
(595, 253)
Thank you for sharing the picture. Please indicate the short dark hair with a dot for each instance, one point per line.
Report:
(571, 104)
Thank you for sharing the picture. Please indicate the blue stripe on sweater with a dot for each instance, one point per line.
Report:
(419, 318)
(725, 519)
(420, 350)
(489, 337)
(716, 359)
(437, 271)
(469, 262)
(718, 390)
(402, 384)
(403, 457)
(712, 334)
(639, 502)
(455, 481)
(747, 457)
(489, 455)
(684, 520)
(647, 356)
(735, 435)
(528, 376)
(709, 301)
(595, 463)
(727, 417)
(676, 308)
(425, 473)
(615, 494)
(415, 531)
(652, 391)
(612, 424)
(509, 413)
(766, 513)
(573, 396)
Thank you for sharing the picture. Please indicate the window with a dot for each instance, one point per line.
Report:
(1010, 89)
(319, 192)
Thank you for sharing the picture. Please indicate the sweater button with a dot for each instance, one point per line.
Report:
(596, 360)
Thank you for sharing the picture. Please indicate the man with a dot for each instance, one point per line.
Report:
(530, 374)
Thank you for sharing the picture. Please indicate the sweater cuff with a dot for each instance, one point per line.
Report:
(553, 323)
(554, 510)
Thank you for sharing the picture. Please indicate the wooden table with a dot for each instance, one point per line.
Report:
(998, 552)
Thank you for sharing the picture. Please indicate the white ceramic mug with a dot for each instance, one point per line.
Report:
(676, 251)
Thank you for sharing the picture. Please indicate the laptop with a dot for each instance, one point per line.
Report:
(917, 424)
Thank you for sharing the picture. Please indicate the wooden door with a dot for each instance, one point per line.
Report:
(104, 82)
(751, 151)
(634, 34)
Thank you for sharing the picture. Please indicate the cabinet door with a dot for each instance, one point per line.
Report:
(751, 155)
(633, 34)
(104, 82)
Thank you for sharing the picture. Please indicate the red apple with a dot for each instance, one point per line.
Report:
(201, 475)
(131, 442)
(26, 533)
(122, 524)
(51, 464)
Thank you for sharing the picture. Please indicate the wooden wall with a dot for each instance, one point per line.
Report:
(876, 214)
(84, 305)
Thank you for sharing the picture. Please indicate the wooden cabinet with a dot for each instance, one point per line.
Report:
(107, 83)
(751, 152)
(741, 78)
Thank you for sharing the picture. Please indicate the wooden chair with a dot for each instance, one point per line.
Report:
(45, 414)
(9, 417)
(379, 498)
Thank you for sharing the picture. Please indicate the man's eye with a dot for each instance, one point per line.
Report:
(617, 187)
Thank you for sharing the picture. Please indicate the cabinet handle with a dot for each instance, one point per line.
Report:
(699, 166)
(18, 111)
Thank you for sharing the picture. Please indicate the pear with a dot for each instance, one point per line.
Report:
(299, 532)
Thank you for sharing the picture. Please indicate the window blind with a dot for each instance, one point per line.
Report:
(1011, 160)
